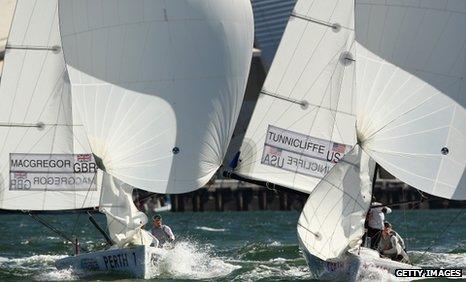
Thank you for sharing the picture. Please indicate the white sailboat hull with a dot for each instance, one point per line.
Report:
(351, 264)
(134, 261)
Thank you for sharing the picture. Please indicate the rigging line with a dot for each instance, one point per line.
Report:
(446, 227)
(94, 178)
(85, 199)
(55, 230)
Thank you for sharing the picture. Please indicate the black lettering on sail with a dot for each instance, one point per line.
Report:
(330, 156)
(273, 160)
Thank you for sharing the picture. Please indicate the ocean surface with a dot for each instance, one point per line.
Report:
(228, 246)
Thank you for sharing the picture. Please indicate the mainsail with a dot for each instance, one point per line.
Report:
(304, 119)
(332, 220)
(159, 84)
(45, 159)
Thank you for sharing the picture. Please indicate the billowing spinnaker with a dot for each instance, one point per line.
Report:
(411, 68)
(304, 119)
(159, 84)
(332, 220)
(45, 159)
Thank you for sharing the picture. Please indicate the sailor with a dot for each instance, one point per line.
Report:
(391, 245)
(162, 233)
(376, 218)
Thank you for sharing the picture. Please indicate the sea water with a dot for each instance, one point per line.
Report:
(228, 246)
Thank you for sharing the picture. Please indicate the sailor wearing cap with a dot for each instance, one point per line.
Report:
(162, 233)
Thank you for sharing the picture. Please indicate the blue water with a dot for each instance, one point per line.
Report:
(228, 246)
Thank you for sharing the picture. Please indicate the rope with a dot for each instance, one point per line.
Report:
(442, 232)
(58, 232)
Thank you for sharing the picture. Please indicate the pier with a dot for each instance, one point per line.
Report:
(232, 195)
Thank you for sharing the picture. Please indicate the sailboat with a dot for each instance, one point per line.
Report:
(355, 83)
(101, 97)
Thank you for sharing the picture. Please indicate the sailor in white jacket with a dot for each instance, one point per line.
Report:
(376, 218)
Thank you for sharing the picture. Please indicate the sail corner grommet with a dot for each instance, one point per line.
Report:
(445, 151)
(175, 150)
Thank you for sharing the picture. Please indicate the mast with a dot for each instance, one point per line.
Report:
(374, 179)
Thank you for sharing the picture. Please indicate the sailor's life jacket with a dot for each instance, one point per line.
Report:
(393, 246)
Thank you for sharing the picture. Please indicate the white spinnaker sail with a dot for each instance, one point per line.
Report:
(411, 69)
(332, 220)
(304, 119)
(41, 144)
(159, 84)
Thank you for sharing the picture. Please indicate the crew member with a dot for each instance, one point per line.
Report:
(161, 232)
(391, 245)
(376, 218)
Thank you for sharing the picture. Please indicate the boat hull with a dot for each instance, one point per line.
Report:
(349, 266)
(134, 261)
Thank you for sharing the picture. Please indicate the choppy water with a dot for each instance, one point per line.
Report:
(229, 246)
